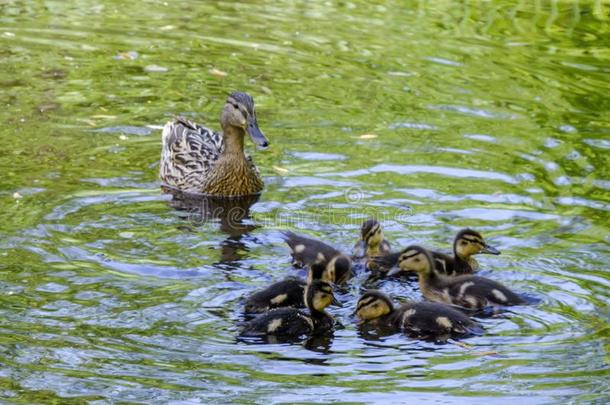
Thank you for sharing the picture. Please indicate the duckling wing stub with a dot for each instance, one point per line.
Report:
(279, 322)
(478, 292)
(307, 252)
(189, 151)
(285, 293)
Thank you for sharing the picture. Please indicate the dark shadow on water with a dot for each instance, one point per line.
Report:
(232, 213)
(318, 342)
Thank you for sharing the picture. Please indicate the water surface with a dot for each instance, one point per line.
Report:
(432, 116)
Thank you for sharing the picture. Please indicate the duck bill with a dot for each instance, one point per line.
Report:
(490, 250)
(394, 271)
(257, 135)
(336, 302)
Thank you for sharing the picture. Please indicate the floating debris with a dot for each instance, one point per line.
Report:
(155, 69)
(280, 169)
(126, 129)
(216, 72)
(168, 27)
(17, 196)
(368, 136)
(129, 55)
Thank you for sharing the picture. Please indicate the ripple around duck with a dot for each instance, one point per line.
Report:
(107, 294)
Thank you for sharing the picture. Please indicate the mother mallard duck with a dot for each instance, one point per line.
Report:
(196, 159)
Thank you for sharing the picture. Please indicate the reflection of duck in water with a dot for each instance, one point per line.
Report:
(196, 159)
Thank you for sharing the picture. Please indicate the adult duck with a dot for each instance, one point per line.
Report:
(196, 159)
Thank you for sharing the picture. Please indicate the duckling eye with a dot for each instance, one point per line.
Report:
(235, 106)
(463, 243)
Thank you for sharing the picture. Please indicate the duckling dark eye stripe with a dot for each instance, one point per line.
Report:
(366, 302)
(410, 256)
(473, 240)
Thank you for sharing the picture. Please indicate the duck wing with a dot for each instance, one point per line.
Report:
(189, 151)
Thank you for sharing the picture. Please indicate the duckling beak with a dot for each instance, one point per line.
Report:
(490, 250)
(394, 271)
(256, 134)
(336, 302)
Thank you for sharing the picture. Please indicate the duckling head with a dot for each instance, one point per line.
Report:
(238, 112)
(413, 258)
(371, 232)
(318, 271)
(373, 304)
(468, 243)
(319, 295)
(338, 269)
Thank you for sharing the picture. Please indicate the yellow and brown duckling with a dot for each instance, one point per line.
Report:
(198, 160)
(372, 241)
(292, 322)
(319, 256)
(466, 290)
(422, 319)
(466, 244)
(289, 292)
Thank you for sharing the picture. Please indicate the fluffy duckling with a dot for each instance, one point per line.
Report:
(466, 244)
(465, 290)
(318, 255)
(372, 242)
(292, 322)
(422, 319)
(289, 292)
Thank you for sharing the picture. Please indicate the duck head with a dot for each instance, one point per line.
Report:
(239, 113)
(414, 259)
(373, 304)
(469, 242)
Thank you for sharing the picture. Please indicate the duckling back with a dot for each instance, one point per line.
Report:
(289, 322)
(429, 319)
(285, 293)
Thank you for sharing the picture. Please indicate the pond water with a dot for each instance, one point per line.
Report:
(432, 116)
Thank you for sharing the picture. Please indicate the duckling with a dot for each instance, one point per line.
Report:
(372, 242)
(465, 290)
(318, 255)
(466, 244)
(285, 293)
(423, 319)
(288, 322)
(196, 159)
